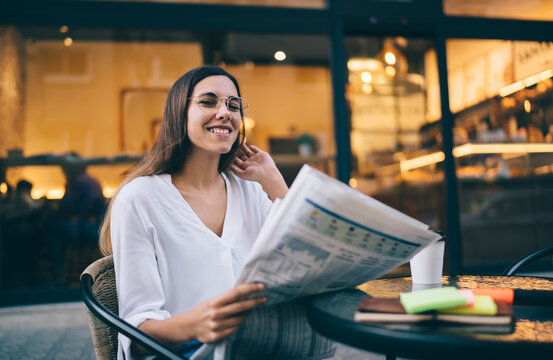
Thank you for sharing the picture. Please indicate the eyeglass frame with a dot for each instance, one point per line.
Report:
(243, 110)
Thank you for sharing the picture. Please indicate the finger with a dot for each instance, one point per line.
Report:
(237, 292)
(235, 169)
(239, 307)
(241, 164)
(254, 148)
(242, 151)
(225, 333)
(246, 150)
(230, 322)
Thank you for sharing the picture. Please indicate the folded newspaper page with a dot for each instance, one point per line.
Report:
(323, 236)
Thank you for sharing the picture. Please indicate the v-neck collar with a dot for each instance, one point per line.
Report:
(226, 220)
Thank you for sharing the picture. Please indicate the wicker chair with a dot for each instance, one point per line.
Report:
(100, 296)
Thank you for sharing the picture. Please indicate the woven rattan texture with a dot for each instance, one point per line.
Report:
(103, 337)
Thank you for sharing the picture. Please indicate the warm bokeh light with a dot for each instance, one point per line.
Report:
(390, 71)
(55, 193)
(249, 123)
(357, 64)
(421, 161)
(512, 88)
(3, 188)
(471, 149)
(529, 81)
(390, 58)
(37, 194)
(68, 41)
(108, 192)
(52, 194)
(527, 106)
(64, 29)
(522, 148)
(366, 77)
(353, 182)
(367, 88)
(280, 55)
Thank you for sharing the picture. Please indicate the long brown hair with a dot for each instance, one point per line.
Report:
(169, 153)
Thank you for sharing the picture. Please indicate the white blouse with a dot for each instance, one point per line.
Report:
(166, 260)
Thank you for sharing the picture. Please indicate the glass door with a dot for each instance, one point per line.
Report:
(393, 97)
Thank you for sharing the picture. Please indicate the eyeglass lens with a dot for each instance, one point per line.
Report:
(211, 101)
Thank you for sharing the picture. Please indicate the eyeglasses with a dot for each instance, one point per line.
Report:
(210, 102)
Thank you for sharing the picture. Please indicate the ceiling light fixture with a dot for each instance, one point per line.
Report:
(280, 55)
(521, 84)
(471, 149)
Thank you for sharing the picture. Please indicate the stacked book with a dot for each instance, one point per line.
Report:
(447, 304)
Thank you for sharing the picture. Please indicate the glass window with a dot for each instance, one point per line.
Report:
(393, 94)
(85, 105)
(508, 9)
(501, 99)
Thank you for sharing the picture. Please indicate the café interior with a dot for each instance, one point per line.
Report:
(440, 109)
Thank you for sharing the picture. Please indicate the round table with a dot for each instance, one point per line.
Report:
(530, 336)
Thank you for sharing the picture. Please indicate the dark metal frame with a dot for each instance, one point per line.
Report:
(519, 264)
(412, 18)
(121, 325)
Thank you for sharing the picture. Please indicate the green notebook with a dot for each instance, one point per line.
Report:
(431, 299)
(483, 305)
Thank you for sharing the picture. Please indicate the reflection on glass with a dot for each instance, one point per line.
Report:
(395, 138)
(82, 115)
(503, 147)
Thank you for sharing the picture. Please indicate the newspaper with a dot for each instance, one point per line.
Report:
(323, 236)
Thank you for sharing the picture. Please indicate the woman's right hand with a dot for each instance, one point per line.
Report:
(219, 317)
(254, 164)
(211, 321)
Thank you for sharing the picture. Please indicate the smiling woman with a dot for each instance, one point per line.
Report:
(187, 217)
(219, 115)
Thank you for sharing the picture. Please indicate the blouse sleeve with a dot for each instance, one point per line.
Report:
(139, 288)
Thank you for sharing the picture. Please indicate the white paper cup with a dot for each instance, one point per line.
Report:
(427, 265)
(417, 287)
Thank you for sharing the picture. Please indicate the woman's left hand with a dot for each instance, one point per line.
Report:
(254, 164)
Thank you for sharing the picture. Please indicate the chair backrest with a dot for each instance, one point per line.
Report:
(104, 337)
(100, 297)
(530, 258)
